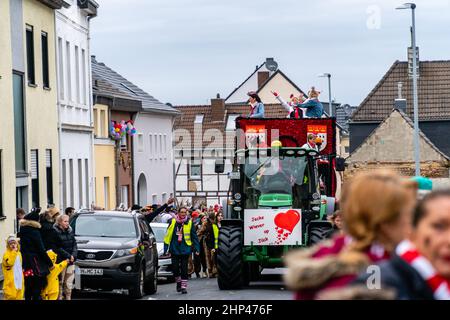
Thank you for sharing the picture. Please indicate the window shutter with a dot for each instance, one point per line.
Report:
(34, 164)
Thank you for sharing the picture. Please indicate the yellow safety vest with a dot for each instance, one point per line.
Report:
(186, 232)
(216, 236)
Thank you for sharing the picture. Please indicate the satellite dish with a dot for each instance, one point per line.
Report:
(347, 109)
(271, 65)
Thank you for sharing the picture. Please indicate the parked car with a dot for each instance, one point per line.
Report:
(116, 250)
(165, 262)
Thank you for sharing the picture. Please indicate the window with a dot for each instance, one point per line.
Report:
(199, 119)
(30, 55)
(123, 143)
(160, 146)
(154, 199)
(68, 72)
(86, 180)
(34, 178)
(83, 75)
(124, 195)
(77, 74)
(49, 174)
(151, 145)
(80, 182)
(61, 69)
(165, 146)
(195, 171)
(96, 133)
(140, 139)
(106, 192)
(64, 183)
(347, 149)
(19, 123)
(103, 129)
(164, 197)
(231, 124)
(71, 183)
(156, 145)
(44, 47)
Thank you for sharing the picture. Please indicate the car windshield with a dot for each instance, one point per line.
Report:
(159, 232)
(105, 226)
(276, 181)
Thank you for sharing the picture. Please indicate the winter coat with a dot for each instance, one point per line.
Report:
(314, 271)
(34, 255)
(51, 291)
(13, 282)
(48, 233)
(182, 248)
(258, 111)
(396, 276)
(209, 235)
(314, 109)
(65, 244)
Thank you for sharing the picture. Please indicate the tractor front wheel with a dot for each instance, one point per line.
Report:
(318, 233)
(230, 266)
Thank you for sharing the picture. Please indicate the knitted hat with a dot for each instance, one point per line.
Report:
(33, 215)
(194, 214)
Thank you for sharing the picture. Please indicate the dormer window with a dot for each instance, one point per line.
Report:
(199, 119)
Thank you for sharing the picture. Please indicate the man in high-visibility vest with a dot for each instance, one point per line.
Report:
(181, 238)
(210, 232)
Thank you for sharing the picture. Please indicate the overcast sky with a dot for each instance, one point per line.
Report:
(187, 51)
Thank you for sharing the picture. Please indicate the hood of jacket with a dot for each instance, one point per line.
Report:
(307, 272)
(59, 230)
(30, 223)
(52, 255)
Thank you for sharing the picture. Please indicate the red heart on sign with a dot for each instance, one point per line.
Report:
(287, 220)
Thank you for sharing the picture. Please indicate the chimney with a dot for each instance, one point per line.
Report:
(217, 109)
(400, 103)
(262, 77)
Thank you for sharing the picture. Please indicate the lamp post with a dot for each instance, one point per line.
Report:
(412, 6)
(330, 108)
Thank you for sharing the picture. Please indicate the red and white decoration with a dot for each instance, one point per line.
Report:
(440, 286)
(272, 227)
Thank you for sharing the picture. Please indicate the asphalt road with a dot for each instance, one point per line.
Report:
(269, 288)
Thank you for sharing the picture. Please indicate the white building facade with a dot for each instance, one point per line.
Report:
(75, 103)
(153, 156)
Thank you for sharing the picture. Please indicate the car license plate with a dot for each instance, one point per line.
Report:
(91, 272)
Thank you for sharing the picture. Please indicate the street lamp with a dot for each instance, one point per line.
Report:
(412, 6)
(330, 109)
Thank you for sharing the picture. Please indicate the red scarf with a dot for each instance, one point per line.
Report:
(439, 285)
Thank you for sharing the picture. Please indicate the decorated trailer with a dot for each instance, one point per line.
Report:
(282, 190)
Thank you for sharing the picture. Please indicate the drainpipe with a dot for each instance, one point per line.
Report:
(173, 161)
(58, 105)
(91, 191)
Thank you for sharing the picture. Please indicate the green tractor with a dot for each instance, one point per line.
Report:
(280, 198)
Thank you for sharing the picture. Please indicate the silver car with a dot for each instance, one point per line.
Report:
(165, 263)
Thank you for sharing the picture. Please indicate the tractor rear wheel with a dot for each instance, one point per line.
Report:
(318, 233)
(230, 266)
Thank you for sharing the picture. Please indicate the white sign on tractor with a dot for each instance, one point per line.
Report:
(272, 227)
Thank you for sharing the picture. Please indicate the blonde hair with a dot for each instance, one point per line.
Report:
(61, 217)
(370, 200)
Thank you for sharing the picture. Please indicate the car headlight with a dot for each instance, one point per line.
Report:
(126, 252)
